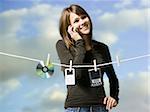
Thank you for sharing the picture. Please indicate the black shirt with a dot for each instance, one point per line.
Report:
(82, 94)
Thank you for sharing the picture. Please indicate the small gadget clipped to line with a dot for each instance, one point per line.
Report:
(95, 75)
(70, 75)
(45, 70)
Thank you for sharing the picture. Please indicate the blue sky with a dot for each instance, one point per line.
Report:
(30, 28)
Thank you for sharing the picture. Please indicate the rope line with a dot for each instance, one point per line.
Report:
(134, 58)
(20, 57)
(118, 61)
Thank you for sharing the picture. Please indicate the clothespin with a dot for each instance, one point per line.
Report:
(95, 66)
(70, 68)
(47, 63)
(117, 60)
(48, 59)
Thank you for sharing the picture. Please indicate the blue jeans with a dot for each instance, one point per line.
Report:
(87, 109)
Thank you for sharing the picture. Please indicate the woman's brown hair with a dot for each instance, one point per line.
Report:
(65, 22)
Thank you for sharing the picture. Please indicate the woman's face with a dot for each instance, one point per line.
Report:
(81, 23)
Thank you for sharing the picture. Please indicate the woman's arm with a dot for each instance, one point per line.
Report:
(113, 80)
(112, 100)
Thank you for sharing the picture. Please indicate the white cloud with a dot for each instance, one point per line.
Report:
(108, 38)
(11, 21)
(49, 100)
(48, 23)
(96, 12)
(8, 87)
(134, 87)
(124, 19)
(17, 37)
(54, 94)
(40, 9)
(30, 32)
(124, 3)
(33, 93)
(145, 3)
(57, 95)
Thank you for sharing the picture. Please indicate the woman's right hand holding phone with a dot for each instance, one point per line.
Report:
(73, 33)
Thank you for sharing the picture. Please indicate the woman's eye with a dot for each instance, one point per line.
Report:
(77, 20)
(83, 17)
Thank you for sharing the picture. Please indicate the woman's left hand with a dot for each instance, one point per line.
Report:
(110, 102)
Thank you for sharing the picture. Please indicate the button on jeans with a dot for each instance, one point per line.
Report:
(87, 109)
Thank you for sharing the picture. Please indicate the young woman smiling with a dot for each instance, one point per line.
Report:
(77, 45)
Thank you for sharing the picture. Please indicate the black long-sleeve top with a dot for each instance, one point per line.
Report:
(82, 94)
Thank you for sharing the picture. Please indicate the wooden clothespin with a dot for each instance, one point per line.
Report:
(117, 60)
(70, 68)
(95, 66)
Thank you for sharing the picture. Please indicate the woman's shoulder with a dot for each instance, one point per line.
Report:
(60, 42)
(100, 44)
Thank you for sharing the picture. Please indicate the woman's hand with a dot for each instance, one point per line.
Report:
(110, 102)
(73, 33)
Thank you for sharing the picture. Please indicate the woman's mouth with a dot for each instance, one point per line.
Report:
(84, 26)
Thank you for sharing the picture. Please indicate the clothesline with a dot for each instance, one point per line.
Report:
(20, 57)
(118, 61)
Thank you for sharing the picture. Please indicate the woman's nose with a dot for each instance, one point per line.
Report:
(81, 22)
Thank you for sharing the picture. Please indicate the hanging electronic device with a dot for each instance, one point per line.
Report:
(45, 70)
(95, 76)
(70, 75)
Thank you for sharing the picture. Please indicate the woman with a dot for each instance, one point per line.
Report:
(77, 45)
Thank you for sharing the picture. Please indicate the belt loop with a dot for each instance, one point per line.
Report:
(90, 108)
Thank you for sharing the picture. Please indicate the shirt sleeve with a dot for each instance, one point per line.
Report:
(65, 54)
(113, 80)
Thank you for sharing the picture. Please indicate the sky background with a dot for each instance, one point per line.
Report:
(30, 28)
